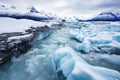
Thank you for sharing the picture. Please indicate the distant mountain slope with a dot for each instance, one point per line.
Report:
(30, 13)
(107, 16)
(118, 15)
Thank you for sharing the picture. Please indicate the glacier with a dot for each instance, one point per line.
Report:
(69, 53)
(75, 68)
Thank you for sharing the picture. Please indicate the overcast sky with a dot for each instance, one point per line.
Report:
(85, 8)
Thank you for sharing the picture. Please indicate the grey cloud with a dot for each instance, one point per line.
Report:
(109, 4)
(27, 2)
(80, 7)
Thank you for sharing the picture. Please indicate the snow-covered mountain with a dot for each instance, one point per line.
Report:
(107, 16)
(118, 15)
(71, 19)
(30, 13)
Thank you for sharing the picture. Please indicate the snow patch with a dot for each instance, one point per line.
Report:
(22, 38)
(20, 25)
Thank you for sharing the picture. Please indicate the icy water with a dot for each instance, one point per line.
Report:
(36, 64)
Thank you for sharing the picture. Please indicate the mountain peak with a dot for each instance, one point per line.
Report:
(107, 13)
(33, 10)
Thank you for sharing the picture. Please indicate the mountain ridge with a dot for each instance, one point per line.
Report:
(31, 13)
(106, 16)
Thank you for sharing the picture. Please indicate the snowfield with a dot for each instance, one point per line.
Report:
(20, 25)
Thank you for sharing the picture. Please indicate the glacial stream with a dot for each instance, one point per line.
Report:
(36, 63)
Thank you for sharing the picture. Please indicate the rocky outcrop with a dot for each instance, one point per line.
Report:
(9, 46)
(16, 44)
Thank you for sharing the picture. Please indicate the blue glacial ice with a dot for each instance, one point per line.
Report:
(58, 55)
(76, 34)
(84, 46)
(75, 68)
(111, 28)
(116, 38)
